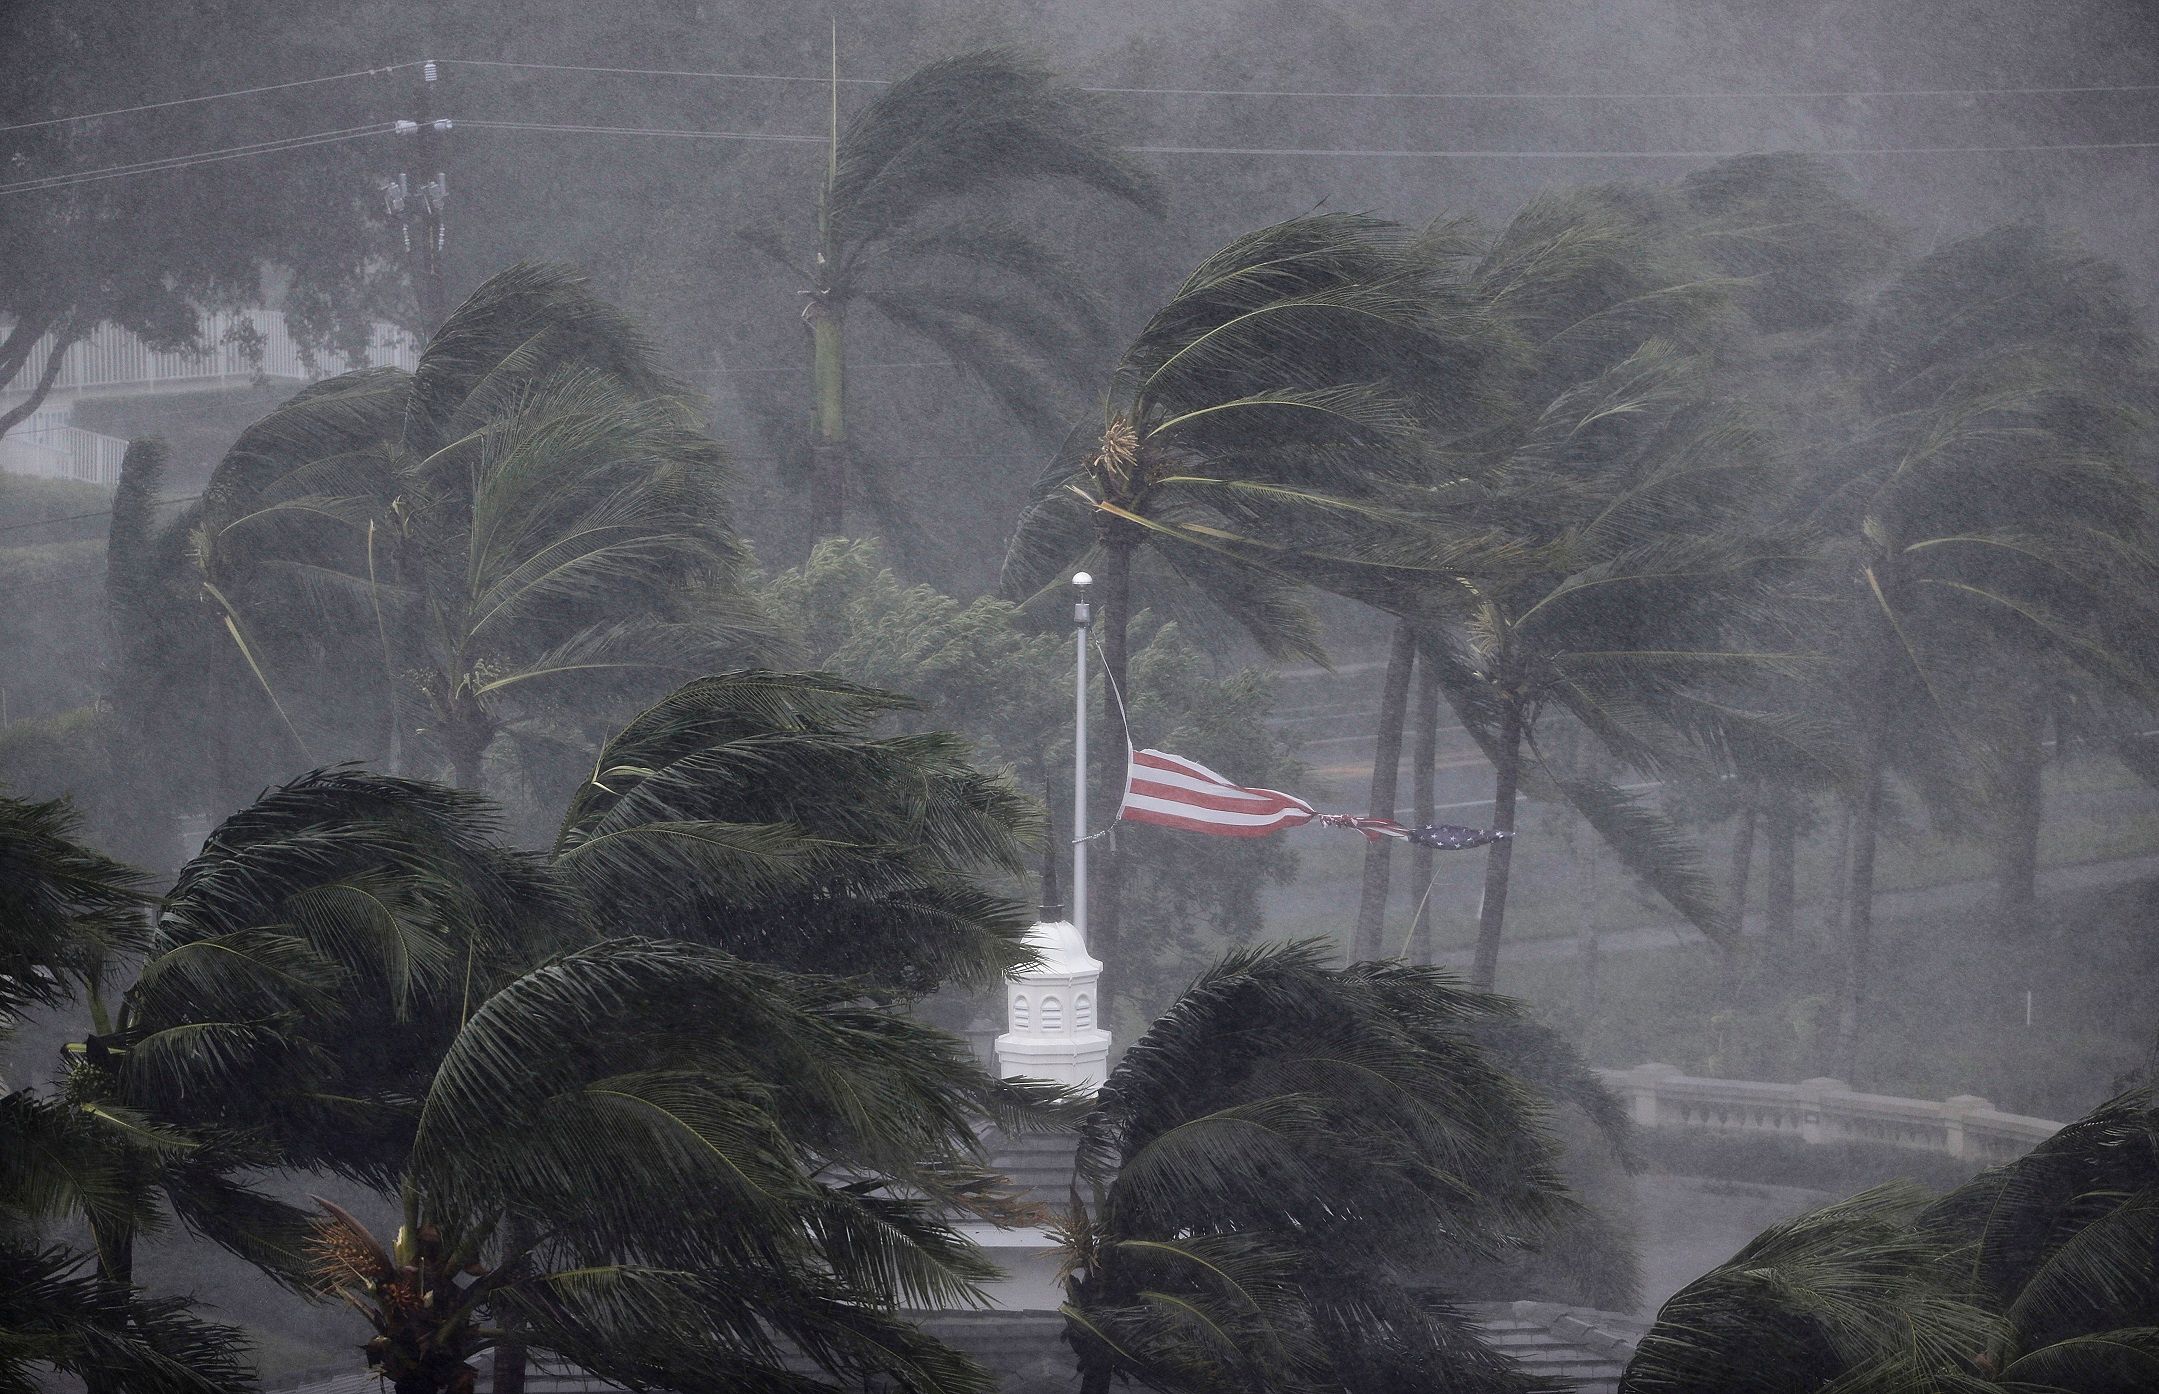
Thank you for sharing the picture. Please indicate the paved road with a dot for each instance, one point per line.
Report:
(1889, 904)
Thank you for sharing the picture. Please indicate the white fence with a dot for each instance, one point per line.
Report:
(1826, 1111)
(239, 346)
(63, 452)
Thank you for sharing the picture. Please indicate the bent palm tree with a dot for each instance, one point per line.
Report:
(352, 951)
(2037, 1275)
(746, 1166)
(1279, 1158)
(1991, 500)
(756, 812)
(65, 914)
(899, 229)
(1264, 414)
(1633, 494)
(534, 511)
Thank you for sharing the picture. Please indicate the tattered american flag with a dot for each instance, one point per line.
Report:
(1173, 792)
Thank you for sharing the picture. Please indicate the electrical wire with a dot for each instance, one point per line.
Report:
(1825, 152)
(79, 517)
(569, 129)
(1313, 94)
(201, 157)
(206, 97)
(1320, 94)
(1355, 152)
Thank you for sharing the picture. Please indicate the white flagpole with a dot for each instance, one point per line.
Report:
(1080, 623)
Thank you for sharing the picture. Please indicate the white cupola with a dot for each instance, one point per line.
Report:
(1052, 1013)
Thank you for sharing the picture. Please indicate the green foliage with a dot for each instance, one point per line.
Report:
(66, 915)
(66, 911)
(904, 228)
(676, 1160)
(1278, 1160)
(2039, 1274)
(529, 525)
(983, 670)
(755, 811)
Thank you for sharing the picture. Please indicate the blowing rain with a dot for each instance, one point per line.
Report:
(973, 697)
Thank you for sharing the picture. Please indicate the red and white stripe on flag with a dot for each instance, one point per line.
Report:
(1179, 793)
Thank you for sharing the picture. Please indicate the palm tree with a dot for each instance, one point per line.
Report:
(300, 979)
(901, 229)
(533, 512)
(1275, 1162)
(344, 947)
(758, 813)
(1988, 510)
(1573, 284)
(2036, 1275)
(66, 913)
(747, 1164)
(1630, 495)
(1290, 380)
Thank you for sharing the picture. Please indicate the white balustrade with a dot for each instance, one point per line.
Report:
(1825, 1111)
(112, 358)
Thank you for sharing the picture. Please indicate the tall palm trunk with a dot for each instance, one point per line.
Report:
(1423, 774)
(1731, 953)
(1859, 909)
(2021, 807)
(1839, 879)
(828, 420)
(114, 1240)
(1499, 858)
(1780, 830)
(1386, 776)
(1109, 751)
(511, 1357)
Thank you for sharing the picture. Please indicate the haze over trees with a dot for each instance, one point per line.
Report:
(586, 782)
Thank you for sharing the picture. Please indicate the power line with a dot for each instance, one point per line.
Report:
(568, 129)
(1315, 94)
(279, 145)
(203, 157)
(662, 72)
(206, 97)
(1826, 152)
(1356, 152)
(101, 513)
(1321, 94)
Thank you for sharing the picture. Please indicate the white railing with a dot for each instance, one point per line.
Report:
(1826, 1111)
(63, 452)
(238, 346)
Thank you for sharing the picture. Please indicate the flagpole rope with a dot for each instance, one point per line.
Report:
(1124, 784)
(1418, 913)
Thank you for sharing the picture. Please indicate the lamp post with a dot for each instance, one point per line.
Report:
(1081, 617)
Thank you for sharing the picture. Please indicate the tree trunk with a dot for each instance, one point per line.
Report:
(510, 1366)
(1780, 829)
(2022, 806)
(1731, 953)
(1423, 772)
(1839, 879)
(1586, 944)
(1859, 916)
(1499, 859)
(510, 1354)
(468, 758)
(828, 438)
(1109, 753)
(1371, 928)
(115, 1245)
(15, 354)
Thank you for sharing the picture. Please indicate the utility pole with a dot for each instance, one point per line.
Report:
(417, 198)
